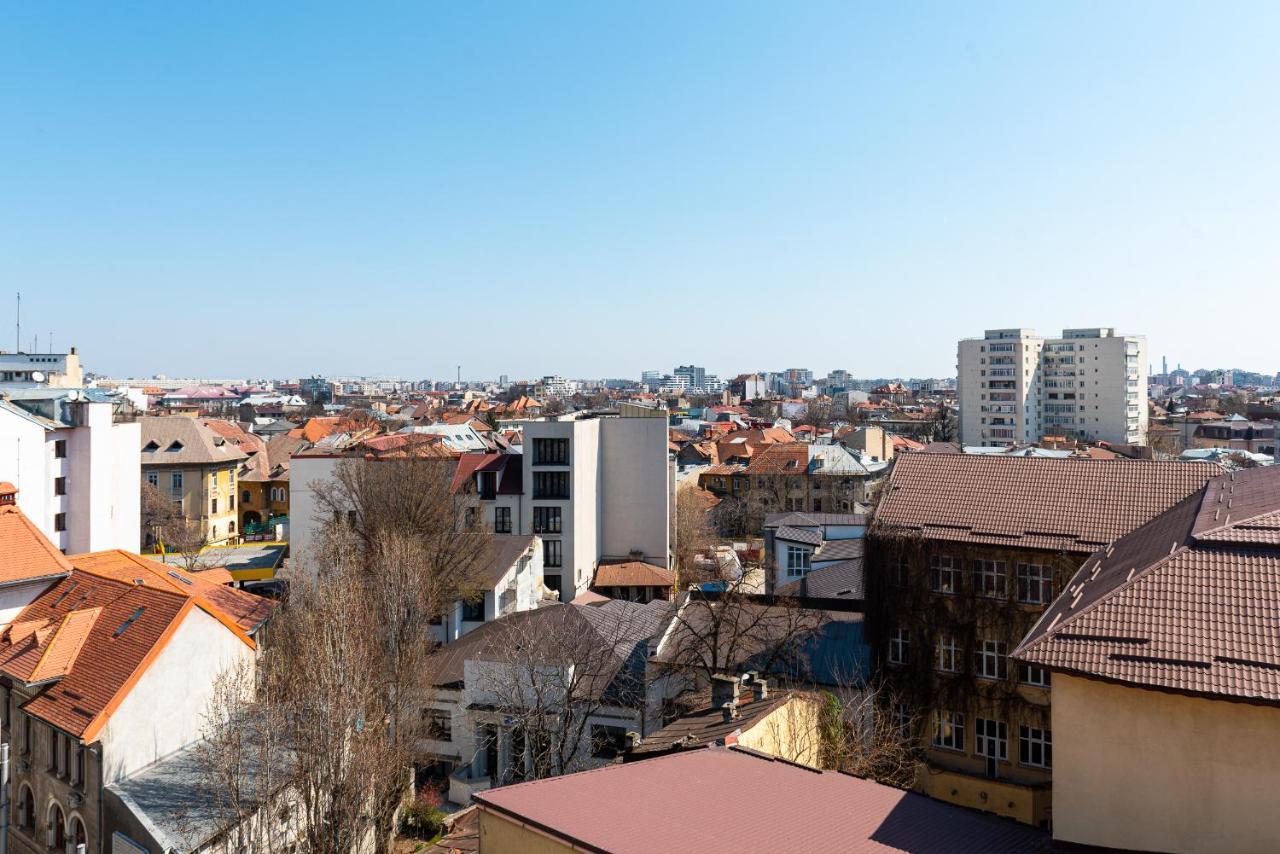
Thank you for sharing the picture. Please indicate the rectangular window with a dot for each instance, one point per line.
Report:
(1035, 747)
(546, 520)
(213, 481)
(608, 741)
(213, 506)
(60, 449)
(439, 724)
(1035, 584)
(899, 571)
(1029, 674)
(901, 719)
(946, 655)
(59, 486)
(153, 478)
(945, 571)
(900, 645)
(551, 554)
(948, 730)
(990, 579)
(502, 520)
(797, 560)
(26, 733)
(550, 452)
(53, 749)
(473, 612)
(175, 481)
(77, 765)
(990, 659)
(59, 522)
(551, 484)
(991, 739)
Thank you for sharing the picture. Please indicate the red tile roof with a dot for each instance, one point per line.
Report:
(789, 458)
(1188, 602)
(1074, 505)
(711, 801)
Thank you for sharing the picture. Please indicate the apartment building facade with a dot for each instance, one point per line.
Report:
(195, 466)
(964, 555)
(1015, 387)
(75, 466)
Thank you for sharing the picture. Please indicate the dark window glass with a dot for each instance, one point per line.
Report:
(551, 554)
(502, 520)
(550, 452)
(546, 520)
(551, 484)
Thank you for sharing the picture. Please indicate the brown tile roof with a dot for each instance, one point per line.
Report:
(1075, 505)
(510, 469)
(25, 552)
(633, 573)
(503, 551)
(706, 727)
(1188, 602)
(178, 440)
(789, 458)
(725, 469)
(711, 801)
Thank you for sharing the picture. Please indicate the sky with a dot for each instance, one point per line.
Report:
(595, 189)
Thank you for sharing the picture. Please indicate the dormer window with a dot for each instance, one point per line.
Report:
(150, 446)
(175, 445)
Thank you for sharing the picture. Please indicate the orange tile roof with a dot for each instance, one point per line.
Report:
(25, 552)
(633, 573)
(60, 655)
(240, 610)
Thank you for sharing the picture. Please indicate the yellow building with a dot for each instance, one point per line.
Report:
(1166, 685)
(187, 461)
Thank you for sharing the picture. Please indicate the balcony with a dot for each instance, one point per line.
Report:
(463, 784)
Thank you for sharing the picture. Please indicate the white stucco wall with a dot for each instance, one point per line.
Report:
(635, 496)
(304, 528)
(165, 709)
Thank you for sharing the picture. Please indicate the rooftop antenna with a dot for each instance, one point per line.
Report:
(18, 340)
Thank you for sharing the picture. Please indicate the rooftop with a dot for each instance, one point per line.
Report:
(710, 801)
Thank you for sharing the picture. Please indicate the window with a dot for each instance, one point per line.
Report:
(945, 571)
(439, 724)
(59, 521)
(551, 554)
(991, 739)
(608, 741)
(53, 749)
(59, 486)
(899, 571)
(946, 655)
(60, 449)
(26, 809)
(552, 582)
(901, 719)
(797, 560)
(1035, 584)
(948, 730)
(551, 484)
(231, 527)
(245, 498)
(900, 645)
(213, 505)
(153, 478)
(990, 579)
(550, 452)
(546, 520)
(990, 661)
(1029, 674)
(473, 612)
(175, 481)
(213, 481)
(26, 734)
(502, 520)
(1035, 747)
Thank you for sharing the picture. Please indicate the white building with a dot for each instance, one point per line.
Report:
(510, 583)
(41, 370)
(1015, 387)
(77, 471)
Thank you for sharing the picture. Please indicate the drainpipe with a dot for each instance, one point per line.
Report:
(4, 799)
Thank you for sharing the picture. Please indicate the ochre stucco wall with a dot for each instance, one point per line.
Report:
(1153, 771)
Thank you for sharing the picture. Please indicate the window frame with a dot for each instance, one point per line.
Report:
(956, 739)
(900, 645)
(553, 554)
(799, 560)
(1042, 581)
(991, 651)
(990, 578)
(1031, 739)
(949, 566)
(544, 516)
(944, 647)
(981, 738)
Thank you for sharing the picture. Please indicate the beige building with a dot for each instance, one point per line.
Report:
(189, 462)
(1166, 679)
(1015, 387)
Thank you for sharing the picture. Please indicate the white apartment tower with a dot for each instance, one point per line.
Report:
(1016, 387)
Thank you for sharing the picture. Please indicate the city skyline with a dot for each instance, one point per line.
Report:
(325, 189)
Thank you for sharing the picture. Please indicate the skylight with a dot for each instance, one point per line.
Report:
(129, 622)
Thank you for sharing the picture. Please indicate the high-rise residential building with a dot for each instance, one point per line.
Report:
(694, 375)
(1015, 387)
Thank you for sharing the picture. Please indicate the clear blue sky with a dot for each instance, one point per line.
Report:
(592, 189)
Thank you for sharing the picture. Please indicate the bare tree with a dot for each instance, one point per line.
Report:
(692, 531)
(551, 671)
(164, 524)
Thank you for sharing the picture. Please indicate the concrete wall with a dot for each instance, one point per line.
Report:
(165, 710)
(304, 526)
(1151, 771)
(635, 495)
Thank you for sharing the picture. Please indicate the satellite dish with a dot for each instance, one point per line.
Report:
(37, 376)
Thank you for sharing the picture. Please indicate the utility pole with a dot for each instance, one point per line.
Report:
(4, 799)
(17, 345)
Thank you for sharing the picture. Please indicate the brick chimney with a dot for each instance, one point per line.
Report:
(8, 494)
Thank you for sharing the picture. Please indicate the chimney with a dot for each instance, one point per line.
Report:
(724, 695)
(8, 494)
(759, 689)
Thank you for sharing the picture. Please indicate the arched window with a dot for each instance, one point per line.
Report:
(231, 527)
(57, 827)
(26, 809)
(77, 833)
